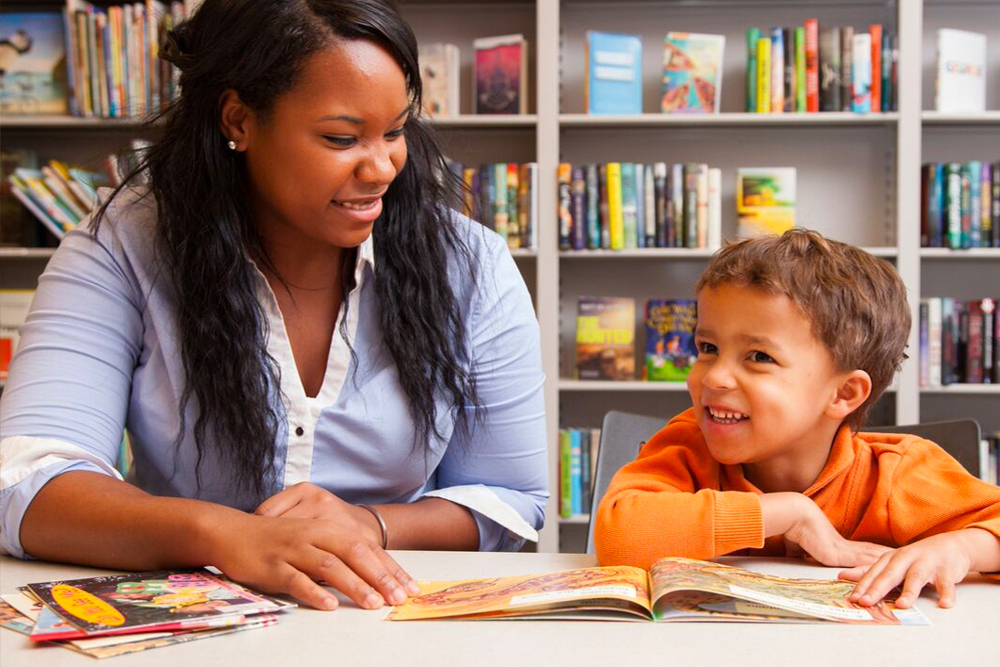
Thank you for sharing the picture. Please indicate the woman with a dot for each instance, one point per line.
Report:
(291, 325)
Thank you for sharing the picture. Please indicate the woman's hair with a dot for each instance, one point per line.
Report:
(206, 233)
(855, 302)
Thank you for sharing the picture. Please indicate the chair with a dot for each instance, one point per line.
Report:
(958, 437)
(622, 434)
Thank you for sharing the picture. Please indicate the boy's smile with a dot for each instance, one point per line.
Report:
(763, 387)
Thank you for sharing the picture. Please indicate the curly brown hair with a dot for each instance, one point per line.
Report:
(855, 302)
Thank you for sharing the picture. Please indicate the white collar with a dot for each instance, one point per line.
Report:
(366, 254)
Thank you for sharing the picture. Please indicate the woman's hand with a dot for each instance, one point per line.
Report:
(312, 540)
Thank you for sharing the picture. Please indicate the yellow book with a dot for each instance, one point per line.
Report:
(764, 75)
(616, 223)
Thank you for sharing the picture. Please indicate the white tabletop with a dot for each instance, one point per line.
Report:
(964, 635)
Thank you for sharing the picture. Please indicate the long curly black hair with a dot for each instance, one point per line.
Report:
(206, 232)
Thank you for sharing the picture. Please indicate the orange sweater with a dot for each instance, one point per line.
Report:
(675, 500)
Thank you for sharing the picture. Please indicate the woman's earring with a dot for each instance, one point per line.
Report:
(232, 144)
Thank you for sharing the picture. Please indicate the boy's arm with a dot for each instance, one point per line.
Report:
(664, 503)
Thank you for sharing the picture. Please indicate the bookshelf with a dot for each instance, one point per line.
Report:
(858, 174)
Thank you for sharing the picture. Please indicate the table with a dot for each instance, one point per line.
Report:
(964, 635)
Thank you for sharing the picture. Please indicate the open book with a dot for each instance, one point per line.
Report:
(674, 589)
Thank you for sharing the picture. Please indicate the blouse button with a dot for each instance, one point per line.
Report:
(299, 430)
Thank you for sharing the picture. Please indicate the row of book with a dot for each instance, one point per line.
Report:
(960, 205)
(805, 69)
(57, 195)
(504, 197)
(499, 76)
(958, 342)
(605, 339)
(620, 205)
(577, 467)
(114, 615)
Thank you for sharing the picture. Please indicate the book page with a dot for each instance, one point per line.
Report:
(616, 589)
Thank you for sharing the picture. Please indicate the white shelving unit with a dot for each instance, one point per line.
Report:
(858, 174)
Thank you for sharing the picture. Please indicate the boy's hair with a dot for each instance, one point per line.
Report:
(855, 302)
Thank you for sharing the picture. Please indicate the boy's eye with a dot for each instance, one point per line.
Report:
(342, 142)
(760, 357)
(706, 348)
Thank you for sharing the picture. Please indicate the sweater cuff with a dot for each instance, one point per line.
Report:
(739, 522)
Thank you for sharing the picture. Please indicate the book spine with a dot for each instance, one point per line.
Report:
(953, 199)
(812, 65)
(777, 71)
(875, 32)
(949, 341)
(753, 35)
(578, 195)
(789, 90)
(985, 218)
(629, 205)
(934, 341)
(937, 206)
(662, 204)
(846, 67)
(829, 58)
(575, 472)
(894, 77)
(678, 202)
(20, 191)
(995, 204)
(533, 219)
(702, 206)
(861, 74)
(651, 206)
(586, 482)
(640, 205)
(925, 205)
(564, 176)
(965, 203)
(886, 72)
(763, 75)
(800, 69)
(714, 241)
(602, 184)
(924, 339)
(593, 209)
(975, 203)
(616, 223)
(974, 346)
(513, 215)
(988, 308)
(565, 483)
(691, 172)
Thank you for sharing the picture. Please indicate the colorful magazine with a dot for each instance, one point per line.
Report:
(670, 347)
(675, 589)
(146, 601)
(692, 72)
(32, 63)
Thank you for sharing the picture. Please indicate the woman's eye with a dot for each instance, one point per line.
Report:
(706, 348)
(395, 134)
(342, 142)
(760, 357)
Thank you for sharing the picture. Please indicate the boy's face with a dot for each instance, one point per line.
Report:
(762, 383)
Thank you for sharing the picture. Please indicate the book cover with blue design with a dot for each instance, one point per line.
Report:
(614, 73)
(670, 346)
(692, 72)
(32, 63)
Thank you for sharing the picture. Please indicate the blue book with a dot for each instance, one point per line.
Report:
(614, 73)
(936, 206)
(576, 471)
(975, 199)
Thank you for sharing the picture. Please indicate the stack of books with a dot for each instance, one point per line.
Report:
(58, 195)
(960, 205)
(577, 469)
(119, 614)
(958, 342)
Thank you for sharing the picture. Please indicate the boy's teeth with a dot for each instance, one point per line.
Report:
(726, 415)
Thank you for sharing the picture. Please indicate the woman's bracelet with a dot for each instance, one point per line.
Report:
(381, 523)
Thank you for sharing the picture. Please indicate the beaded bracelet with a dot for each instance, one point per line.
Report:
(381, 523)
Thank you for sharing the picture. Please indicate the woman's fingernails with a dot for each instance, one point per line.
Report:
(329, 603)
(374, 601)
(412, 587)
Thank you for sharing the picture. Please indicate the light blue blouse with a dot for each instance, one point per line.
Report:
(99, 352)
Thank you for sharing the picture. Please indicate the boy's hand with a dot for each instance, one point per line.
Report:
(941, 560)
(807, 531)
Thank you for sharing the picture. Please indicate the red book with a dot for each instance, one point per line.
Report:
(875, 30)
(974, 350)
(812, 65)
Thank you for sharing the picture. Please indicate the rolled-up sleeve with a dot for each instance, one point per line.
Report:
(504, 454)
(64, 405)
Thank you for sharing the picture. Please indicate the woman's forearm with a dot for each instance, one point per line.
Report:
(433, 523)
(92, 519)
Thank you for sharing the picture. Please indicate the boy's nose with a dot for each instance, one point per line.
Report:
(718, 376)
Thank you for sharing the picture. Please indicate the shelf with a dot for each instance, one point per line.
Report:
(679, 253)
(963, 389)
(485, 121)
(729, 119)
(610, 385)
(967, 253)
(575, 520)
(524, 253)
(70, 122)
(26, 253)
(976, 118)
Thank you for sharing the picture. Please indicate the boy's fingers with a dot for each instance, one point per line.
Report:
(946, 592)
(891, 575)
(853, 574)
(866, 579)
(915, 582)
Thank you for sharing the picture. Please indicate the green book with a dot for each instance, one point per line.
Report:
(753, 34)
(800, 69)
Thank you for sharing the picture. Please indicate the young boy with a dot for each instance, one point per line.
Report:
(797, 337)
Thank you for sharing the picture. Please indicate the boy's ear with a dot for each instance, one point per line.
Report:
(854, 389)
(235, 119)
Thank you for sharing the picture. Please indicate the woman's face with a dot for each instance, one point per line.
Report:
(320, 162)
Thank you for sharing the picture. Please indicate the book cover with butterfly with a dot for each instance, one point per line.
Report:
(692, 72)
